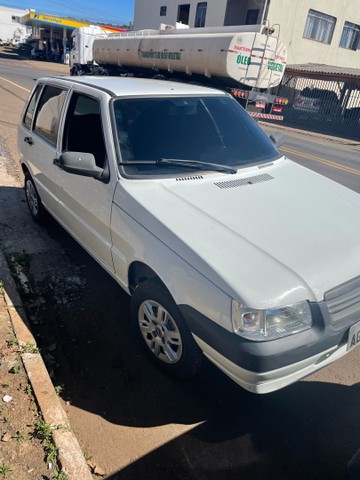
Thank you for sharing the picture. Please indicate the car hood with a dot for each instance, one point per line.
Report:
(266, 236)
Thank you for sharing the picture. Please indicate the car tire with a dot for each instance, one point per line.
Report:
(163, 331)
(36, 207)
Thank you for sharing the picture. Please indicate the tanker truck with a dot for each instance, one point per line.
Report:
(246, 60)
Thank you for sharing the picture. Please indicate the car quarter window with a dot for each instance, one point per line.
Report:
(48, 113)
(29, 114)
(83, 128)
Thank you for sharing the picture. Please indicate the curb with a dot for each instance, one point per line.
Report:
(330, 138)
(70, 456)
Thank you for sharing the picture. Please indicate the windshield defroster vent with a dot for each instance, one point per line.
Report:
(243, 182)
(186, 179)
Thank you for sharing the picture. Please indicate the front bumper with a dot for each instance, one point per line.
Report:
(272, 380)
(262, 367)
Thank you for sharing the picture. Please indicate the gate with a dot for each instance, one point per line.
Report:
(320, 105)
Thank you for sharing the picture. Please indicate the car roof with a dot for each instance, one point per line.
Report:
(129, 86)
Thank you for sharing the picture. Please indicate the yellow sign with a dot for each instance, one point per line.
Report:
(59, 21)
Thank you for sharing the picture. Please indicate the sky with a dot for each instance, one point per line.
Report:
(102, 11)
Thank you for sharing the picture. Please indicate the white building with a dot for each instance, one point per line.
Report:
(314, 31)
(10, 26)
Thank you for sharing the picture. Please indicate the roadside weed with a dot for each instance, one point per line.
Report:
(28, 389)
(30, 348)
(43, 431)
(87, 456)
(15, 369)
(58, 389)
(12, 342)
(50, 453)
(59, 475)
(6, 385)
(19, 437)
(1, 287)
(5, 470)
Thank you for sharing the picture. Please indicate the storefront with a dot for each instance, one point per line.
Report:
(51, 35)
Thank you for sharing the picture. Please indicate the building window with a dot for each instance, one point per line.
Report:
(200, 14)
(319, 26)
(163, 11)
(350, 37)
(252, 16)
(183, 13)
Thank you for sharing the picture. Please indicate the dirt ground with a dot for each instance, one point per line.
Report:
(22, 454)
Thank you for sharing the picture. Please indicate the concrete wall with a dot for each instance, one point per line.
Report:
(8, 27)
(290, 14)
(147, 14)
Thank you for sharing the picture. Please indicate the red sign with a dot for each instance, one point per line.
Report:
(260, 104)
(277, 109)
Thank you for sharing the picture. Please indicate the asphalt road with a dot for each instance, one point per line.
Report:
(133, 420)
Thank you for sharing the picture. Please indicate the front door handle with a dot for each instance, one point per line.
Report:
(29, 140)
(56, 162)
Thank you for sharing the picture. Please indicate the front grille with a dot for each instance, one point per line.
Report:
(343, 302)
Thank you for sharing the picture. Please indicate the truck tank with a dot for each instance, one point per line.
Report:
(246, 57)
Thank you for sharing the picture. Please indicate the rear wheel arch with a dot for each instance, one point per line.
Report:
(36, 207)
(24, 168)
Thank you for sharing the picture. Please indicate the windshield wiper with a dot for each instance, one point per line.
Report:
(196, 164)
(178, 162)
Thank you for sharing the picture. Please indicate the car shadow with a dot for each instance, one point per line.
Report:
(9, 53)
(307, 431)
(81, 321)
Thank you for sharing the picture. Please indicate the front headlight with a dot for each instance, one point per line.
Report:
(263, 325)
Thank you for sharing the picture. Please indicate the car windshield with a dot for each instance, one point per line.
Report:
(208, 130)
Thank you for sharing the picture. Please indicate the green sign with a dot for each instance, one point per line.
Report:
(277, 67)
(241, 59)
(161, 55)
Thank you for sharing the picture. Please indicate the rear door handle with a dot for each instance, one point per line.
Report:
(29, 140)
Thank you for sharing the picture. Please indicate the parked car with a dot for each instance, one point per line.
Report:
(316, 100)
(1, 43)
(227, 248)
(38, 54)
(352, 114)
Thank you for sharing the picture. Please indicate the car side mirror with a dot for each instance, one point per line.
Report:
(277, 138)
(79, 163)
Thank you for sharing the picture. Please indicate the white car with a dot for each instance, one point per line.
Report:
(228, 249)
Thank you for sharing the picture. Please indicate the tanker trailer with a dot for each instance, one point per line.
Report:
(245, 60)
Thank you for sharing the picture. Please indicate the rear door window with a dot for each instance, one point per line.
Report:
(29, 114)
(48, 113)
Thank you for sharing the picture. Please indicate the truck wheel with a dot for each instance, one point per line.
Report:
(76, 71)
(37, 210)
(163, 331)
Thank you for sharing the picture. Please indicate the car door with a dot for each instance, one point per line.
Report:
(38, 136)
(84, 202)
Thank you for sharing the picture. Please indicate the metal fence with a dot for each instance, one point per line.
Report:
(326, 106)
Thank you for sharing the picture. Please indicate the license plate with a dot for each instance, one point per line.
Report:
(354, 336)
(260, 104)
